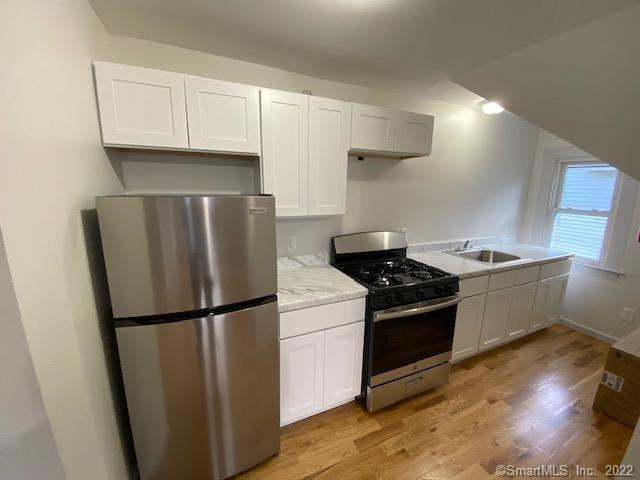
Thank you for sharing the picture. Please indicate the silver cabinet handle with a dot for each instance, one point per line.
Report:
(426, 308)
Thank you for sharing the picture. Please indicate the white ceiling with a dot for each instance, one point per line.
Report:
(408, 46)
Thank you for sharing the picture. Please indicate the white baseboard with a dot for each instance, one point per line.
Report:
(605, 337)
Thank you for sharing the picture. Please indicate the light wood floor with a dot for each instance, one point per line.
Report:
(525, 404)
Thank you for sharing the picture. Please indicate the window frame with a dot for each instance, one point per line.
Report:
(554, 208)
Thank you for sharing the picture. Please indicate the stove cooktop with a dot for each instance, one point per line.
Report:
(400, 272)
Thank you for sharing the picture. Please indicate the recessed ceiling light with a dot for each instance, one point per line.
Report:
(491, 108)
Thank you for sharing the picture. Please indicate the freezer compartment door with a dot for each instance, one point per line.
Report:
(203, 394)
(169, 254)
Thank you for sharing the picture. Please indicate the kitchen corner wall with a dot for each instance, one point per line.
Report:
(53, 165)
(27, 448)
(595, 298)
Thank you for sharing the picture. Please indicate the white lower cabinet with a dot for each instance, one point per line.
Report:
(343, 364)
(520, 306)
(520, 311)
(301, 376)
(468, 324)
(320, 370)
(496, 314)
(548, 302)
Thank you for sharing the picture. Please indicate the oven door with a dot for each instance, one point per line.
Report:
(411, 338)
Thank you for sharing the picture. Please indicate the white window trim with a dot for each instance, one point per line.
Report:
(622, 221)
(553, 208)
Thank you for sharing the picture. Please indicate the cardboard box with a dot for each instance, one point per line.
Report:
(618, 394)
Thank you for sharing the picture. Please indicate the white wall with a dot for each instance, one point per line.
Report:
(53, 166)
(581, 85)
(595, 298)
(27, 448)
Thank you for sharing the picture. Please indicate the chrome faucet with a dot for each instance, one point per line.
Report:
(466, 246)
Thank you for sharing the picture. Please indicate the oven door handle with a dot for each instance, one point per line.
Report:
(430, 307)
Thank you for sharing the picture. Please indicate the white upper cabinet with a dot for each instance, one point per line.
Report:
(141, 107)
(223, 116)
(329, 125)
(305, 144)
(414, 133)
(372, 128)
(388, 132)
(285, 150)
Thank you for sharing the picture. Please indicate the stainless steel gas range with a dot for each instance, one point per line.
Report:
(410, 320)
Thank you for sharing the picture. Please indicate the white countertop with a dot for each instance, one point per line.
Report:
(308, 281)
(465, 268)
(302, 286)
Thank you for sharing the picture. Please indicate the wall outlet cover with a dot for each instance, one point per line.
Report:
(627, 315)
(291, 244)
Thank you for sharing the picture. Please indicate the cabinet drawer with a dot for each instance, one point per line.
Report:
(313, 319)
(512, 278)
(474, 286)
(555, 269)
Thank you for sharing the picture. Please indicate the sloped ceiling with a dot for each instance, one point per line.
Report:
(582, 86)
(408, 46)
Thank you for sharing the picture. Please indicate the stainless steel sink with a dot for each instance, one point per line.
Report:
(486, 256)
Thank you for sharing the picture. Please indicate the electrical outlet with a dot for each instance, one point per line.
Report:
(627, 315)
(291, 244)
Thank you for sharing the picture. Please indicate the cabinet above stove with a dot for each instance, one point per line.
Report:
(385, 132)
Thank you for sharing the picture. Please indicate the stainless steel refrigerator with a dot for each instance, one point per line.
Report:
(193, 282)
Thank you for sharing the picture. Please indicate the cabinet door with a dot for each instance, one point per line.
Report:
(414, 133)
(285, 150)
(521, 310)
(343, 364)
(329, 126)
(301, 376)
(223, 116)
(548, 303)
(468, 324)
(372, 128)
(556, 297)
(538, 317)
(494, 323)
(141, 107)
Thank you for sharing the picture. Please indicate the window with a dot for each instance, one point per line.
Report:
(582, 209)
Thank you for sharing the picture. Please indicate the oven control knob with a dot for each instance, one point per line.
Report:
(400, 297)
(420, 294)
(439, 290)
(388, 300)
(449, 289)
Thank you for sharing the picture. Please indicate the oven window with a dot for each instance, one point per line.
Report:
(398, 342)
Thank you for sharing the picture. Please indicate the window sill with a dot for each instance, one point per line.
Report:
(617, 271)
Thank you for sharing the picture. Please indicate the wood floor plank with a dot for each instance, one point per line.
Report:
(527, 403)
